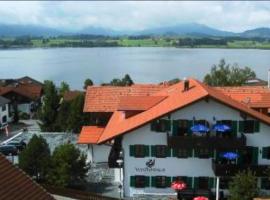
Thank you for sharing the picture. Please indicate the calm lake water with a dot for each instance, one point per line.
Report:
(145, 65)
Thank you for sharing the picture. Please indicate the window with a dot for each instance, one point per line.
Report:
(160, 151)
(139, 181)
(204, 153)
(266, 152)
(182, 153)
(4, 107)
(161, 125)
(4, 119)
(249, 126)
(160, 181)
(203, 183)
(181, 127)
(249, 156)
(139, 151)
(265, 183)
(229, 133)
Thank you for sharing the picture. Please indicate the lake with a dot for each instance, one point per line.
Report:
(145, 65)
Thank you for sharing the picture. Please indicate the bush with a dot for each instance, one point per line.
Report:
(68, 166)
(35, 158)
(243, 186)
(24, 116)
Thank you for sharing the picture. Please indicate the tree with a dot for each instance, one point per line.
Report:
(116, 82)
(35, 158)
(64, 87)
(69, 166)
(226, 75)
(87, 82)
(243, 186)
(49, 107)
(127, 81)
(61, 123)
(76, 116)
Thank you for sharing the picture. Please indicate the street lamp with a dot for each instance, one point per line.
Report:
(120, 162)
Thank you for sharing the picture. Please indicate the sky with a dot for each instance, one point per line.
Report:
(134, 16)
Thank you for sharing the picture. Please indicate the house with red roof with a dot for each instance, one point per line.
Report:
(25, 92)
(189, 131)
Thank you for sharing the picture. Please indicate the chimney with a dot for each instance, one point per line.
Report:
(186, 84)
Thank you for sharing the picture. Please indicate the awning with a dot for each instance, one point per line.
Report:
(90, 134)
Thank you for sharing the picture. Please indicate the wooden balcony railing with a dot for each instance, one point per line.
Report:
(232, 169)
(211, 142)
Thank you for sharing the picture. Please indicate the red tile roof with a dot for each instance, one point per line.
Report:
(252, 96)
(70, 95)
(138, 103)
(176, 99)
(90, 134)
(15, 184)
(107, 98)
(32, 92)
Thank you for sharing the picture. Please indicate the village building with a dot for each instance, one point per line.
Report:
(159, 133)
(24, 92)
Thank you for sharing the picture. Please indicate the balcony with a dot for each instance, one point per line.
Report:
(232, 169)
(210, 142)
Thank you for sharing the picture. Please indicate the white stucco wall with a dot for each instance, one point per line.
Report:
(4, 113)
(24, 107)
(98, 153)
(192, 167)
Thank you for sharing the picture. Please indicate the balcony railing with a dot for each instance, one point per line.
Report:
(211, 142)
(232, 169)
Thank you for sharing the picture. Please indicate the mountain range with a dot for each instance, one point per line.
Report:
(190, 29)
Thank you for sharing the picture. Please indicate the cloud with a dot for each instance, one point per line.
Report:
(131, 15)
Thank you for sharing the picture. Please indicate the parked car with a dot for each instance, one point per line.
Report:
(8, 150)
(19, 145)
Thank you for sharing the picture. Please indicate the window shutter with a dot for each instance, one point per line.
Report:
(168, 181)
(196, 182)
(211, 182)
(265, 152)
(174, 152)
(132, 181)
(154, 125)
(256, 126)
(241, 126)
(146, 151)
(240, 158)
(168, 149)
(167, 125)
(153, 151)
(189, 182)
(190, 152)
(264, 183)
(132, 150)
(153, 181)
(190, 124)
(211, 153)
(175, 128)
(147, 181)
(234, 128)
(196, 153)
(255, 155)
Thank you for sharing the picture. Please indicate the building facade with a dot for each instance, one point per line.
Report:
(154, 136)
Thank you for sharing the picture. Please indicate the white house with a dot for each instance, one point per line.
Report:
(155, 135)
(4, 111)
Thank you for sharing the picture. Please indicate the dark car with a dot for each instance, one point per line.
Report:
(19, 145)
(9, 150)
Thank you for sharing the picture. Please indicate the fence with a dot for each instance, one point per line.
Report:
(76, 194)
